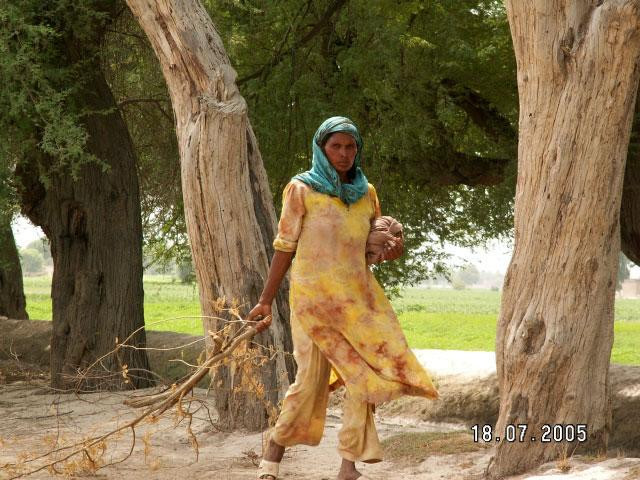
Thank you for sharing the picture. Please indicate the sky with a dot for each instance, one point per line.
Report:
(24, 231)
(494, 258)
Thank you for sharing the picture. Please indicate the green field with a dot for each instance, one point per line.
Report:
(168, 305)
(431, 318)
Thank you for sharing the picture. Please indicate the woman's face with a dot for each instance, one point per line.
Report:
(341, 149)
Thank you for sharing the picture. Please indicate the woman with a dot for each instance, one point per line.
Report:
(341, 321)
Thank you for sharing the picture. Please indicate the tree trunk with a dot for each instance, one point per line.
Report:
(630, 211)
(95, 231)
(12, 302)
(577, 79)
(630, 208)
(228, 206)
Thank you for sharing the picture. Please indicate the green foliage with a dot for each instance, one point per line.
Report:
(32, 261)
(42, 246)
(45, 51)
(47, 54)
(8, 200)
(389, 66)
(383, 64)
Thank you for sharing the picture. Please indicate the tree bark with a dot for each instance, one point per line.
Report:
(630, 207)
(577, 80)
(12, 301)
(95, 231)
(228, 206)
(630, 211)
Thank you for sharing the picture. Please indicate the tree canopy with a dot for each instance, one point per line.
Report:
(39, 81)
(431, 86)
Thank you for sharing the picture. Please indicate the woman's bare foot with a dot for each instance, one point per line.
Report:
(348, 471)
(274, 452)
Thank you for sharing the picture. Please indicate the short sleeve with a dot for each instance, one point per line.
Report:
(377, 212)
(290, 223)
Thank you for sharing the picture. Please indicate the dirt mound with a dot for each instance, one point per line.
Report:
(28, 342)
(476, 401)
(461, 400)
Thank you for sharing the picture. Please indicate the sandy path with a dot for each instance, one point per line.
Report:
(443, 363)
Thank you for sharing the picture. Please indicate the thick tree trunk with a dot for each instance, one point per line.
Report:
(12, 302)
(95, 231)
(577, 79)
(630, 207)
(228, 205)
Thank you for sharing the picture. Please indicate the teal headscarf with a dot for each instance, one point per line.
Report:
(323, 177)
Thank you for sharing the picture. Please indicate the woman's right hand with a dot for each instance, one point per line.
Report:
(261, 312)
(279, 266)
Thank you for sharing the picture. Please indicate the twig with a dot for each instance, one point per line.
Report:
(40, 417)
(162, 401)
(83, 375)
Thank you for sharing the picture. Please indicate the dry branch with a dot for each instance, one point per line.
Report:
(160, 402)
(157, 403)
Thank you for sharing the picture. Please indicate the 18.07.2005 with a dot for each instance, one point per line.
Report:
(521, 433)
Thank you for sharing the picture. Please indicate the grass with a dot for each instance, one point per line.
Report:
(166, 303)
(165, 299)
(466, 320)
(438, 300)
(431, 318)
(449, 330)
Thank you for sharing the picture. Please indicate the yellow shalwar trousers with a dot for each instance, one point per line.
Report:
(302, 418)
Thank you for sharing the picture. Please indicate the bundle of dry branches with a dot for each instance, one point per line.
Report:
(224, 344)
(222, 348)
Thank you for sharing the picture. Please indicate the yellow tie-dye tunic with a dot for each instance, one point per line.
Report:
(337, 300)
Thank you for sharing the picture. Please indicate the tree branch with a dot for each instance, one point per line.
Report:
(157, 102)
(481, 112)
(473, 170)
(335, 7)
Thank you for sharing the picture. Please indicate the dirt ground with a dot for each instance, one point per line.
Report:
(423, 440)
(36, 420)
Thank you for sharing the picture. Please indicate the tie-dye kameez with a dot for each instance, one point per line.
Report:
(341, 315)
